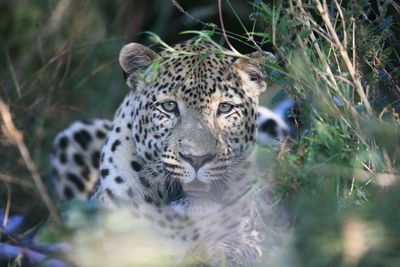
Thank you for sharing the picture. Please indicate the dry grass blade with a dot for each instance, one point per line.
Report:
(14, 75)
(323, 10)
(221, 21)
(10, 179)
(8, 206)
(17, 138)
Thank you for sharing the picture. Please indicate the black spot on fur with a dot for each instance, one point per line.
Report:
(76, 181)
(85, 173)
(63, 158)
(104, 172)
(110, 193)
(79, 160)
(148, 199)
(195, 237)
(96, 159)
(119, 180)
(68, 193)
(130, 192)
(100, 134)
(147, 156)
(136, 166)
(63, 142)
(144, 182)
(83, 138)
(115, 145)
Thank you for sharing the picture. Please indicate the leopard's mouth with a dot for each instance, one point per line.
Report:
(195, 189)
(194, 199)
(198, 189)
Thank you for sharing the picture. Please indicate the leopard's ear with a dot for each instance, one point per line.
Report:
(251, 69)
(134, 58)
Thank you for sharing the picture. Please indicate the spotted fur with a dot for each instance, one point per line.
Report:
(178, 149)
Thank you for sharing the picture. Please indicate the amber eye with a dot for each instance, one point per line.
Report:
(224, 108)
(170, 106)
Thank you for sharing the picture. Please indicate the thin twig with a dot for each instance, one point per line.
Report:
(368, 168)
(238, 37)
(9, 237)
(183, 11)
(343, 23)
(221, 21)
(13, 75)
(8, 205)
(395, 5)
(249, 36)
(339, 77)
(10, 179)
(17, 138)
(353, 37)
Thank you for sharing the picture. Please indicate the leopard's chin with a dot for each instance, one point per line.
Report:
(196, 199)
(195, 206)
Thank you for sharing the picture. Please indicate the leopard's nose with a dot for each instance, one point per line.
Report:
(197, 161)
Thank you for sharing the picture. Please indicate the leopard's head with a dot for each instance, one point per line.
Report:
(196, 121)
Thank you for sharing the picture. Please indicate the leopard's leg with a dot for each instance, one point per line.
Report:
(75, 158)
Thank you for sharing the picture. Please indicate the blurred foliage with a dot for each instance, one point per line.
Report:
(339, 175)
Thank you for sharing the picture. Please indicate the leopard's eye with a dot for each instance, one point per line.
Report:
(170, 106)
(224, 108)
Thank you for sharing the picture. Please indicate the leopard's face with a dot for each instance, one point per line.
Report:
(195, 123)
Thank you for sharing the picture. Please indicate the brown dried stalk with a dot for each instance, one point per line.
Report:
(17, 138)
(10, 179)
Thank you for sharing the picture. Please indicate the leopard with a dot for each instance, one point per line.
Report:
(179, 150)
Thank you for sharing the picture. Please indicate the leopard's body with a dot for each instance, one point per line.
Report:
(178, 150)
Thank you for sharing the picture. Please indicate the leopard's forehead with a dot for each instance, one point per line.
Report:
(199, 73)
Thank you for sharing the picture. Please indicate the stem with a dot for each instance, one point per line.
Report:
(221, 21)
